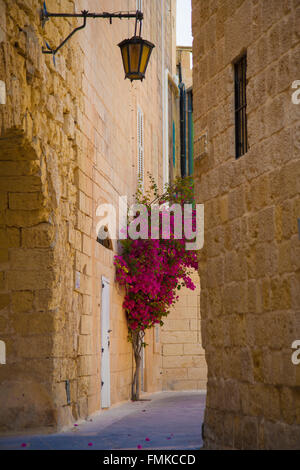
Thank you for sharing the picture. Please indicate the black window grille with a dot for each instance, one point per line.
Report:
(241, 135)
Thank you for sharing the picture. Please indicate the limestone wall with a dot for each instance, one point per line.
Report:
(183, 57)
(249, 267)
(183, 362)
(67, 144)
(37, 152)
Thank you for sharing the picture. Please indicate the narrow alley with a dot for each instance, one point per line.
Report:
(165, 420)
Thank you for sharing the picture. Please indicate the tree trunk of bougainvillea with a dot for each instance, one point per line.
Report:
(138, 344)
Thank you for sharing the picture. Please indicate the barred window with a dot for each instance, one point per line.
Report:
(241, 134)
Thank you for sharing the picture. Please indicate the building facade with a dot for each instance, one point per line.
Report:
(183, 360)
(247, 174)
(74, 135)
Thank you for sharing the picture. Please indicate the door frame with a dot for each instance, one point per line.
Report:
(105, 390)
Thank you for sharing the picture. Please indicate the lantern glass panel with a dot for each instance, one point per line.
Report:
(134, 52)
(124, 50)
(145, 56)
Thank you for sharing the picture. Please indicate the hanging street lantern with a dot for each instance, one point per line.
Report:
(136, 54)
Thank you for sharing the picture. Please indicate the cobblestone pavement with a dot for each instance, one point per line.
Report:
(166, 420)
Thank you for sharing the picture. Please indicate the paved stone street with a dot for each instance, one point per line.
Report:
(167, 420)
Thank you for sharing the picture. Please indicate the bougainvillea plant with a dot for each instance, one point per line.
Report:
(154, 268)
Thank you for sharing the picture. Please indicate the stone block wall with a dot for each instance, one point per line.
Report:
(27, 318)
(67, 144)
(183, 361)
(38, 194)
(249, 266)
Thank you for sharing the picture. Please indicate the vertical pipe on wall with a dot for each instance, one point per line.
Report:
(190, 133)
(182, 124)
(165, 102)
(163, 90)
(166, 127)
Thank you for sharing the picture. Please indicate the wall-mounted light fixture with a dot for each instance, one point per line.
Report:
(136, 54)
(135, 51)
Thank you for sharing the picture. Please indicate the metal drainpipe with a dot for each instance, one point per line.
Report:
(190, 133)
(182, 124)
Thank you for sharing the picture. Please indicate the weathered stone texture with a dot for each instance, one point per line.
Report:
(67, 144)
(183, 362)
(249, 272)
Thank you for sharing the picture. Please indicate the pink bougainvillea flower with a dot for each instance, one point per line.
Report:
(139, 446)
(153, 270)
(147, 439)
(75, 424)
(90, 444)
(23, 444)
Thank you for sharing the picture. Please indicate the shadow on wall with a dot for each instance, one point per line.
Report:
(183, 357)
(26, 277)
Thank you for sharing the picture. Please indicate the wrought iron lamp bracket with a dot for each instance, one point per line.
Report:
(49, 50)
(45, 16)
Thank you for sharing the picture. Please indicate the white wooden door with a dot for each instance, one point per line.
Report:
(105, 343)
(143, 371)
